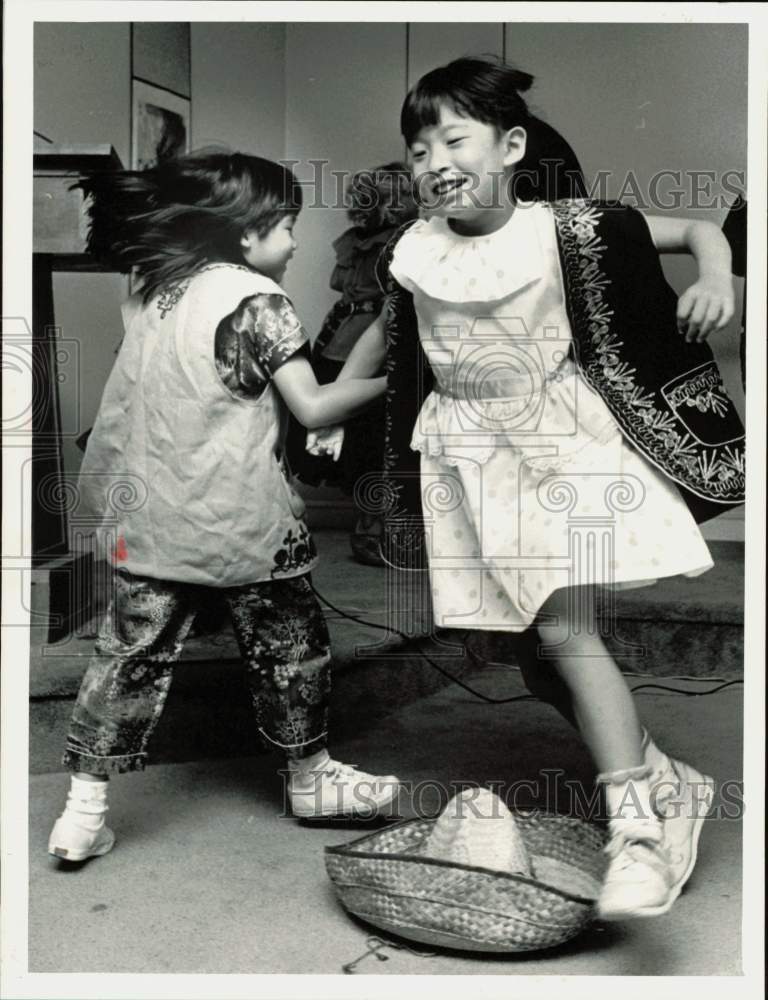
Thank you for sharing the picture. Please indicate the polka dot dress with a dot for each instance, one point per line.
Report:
(528, 485)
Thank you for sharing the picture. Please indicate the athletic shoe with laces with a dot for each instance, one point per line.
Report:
(336, 789)
(638, 882)
(682, 800)
(71, 841)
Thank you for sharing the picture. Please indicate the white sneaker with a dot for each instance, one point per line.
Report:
(336, 789)
(682, 801)
(72, 841)
(79, 832)
(638, 882)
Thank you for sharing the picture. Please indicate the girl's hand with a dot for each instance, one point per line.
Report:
(326, 441)
(705, 307)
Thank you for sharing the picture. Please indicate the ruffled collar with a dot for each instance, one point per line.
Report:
(454, 268)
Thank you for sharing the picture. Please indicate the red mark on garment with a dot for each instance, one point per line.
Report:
(121, 550)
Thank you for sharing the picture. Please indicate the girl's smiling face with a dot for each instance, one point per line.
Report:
(270, 254)
(462, 167)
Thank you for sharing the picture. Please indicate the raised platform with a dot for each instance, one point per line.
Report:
(679, 627)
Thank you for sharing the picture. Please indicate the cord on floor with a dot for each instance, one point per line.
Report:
(519, 697)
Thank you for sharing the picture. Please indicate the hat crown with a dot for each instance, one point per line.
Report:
(476, 828)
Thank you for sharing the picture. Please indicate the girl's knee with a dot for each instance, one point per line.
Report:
(568, 616)
(553, 634)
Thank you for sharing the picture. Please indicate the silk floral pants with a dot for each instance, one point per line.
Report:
(283, 639)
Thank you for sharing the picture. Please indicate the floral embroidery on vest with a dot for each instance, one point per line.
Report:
(701, 391)
(170, 296)
(671, 439)
(299, 550)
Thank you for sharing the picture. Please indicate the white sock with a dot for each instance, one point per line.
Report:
(87, 802)
(628, 801)
(661, 773)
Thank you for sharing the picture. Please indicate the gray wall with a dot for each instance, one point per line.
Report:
(344, 84)
(238, 87)
(82, 84)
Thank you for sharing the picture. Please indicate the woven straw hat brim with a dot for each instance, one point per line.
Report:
(384, 879)
(419, 859)
(456, 942)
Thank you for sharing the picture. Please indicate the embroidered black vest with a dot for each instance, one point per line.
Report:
(666, 395)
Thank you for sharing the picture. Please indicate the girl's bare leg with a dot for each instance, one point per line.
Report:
(602, 703)
(639, 880)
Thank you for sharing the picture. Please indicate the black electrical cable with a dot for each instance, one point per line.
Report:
(502, 701)
(690, 694)
(639, 687)
(430, 661)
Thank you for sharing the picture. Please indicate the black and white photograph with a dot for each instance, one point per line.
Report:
(384, 574)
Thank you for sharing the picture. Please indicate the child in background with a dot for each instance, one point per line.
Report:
(568, 384)
(192, 420)
(379, 201)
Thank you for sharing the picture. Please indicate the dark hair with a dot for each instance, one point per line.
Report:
(483, 89)
(167, 222)
(381, 197)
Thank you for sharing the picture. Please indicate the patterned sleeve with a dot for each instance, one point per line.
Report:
(253, 341)
(271, 325)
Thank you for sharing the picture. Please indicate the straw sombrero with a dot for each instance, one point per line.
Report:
(477, 878)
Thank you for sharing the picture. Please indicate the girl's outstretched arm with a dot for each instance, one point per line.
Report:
(708, 305)
(263, 338)
(365, 359)
(367, 356)
(316, 405)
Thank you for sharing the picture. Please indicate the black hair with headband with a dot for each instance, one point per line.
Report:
(481, 89)
(489, 91)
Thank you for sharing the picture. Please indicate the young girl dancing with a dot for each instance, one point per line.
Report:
(192, 423)
(575, 425)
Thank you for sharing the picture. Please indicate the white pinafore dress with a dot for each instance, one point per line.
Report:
(528, 484)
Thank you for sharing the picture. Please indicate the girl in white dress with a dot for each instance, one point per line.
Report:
(532, 495)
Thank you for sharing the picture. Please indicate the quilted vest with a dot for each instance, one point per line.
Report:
(186, 477)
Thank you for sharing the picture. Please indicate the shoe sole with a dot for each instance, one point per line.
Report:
(66, 855)
(674, 893)
(369, 813)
